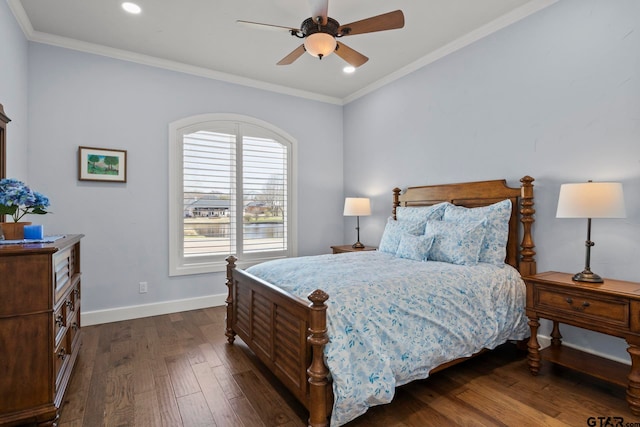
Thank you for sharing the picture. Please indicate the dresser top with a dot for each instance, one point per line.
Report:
(33, 248)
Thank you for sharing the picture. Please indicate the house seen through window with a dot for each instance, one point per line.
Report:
(232, 193)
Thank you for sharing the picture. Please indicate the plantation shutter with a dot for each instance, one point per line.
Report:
(235, 194)
(209, 165)
(264, 195)
(230, 186)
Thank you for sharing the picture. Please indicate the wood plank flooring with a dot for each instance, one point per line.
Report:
(178, 370)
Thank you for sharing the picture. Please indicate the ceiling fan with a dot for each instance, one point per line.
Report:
(321, 33)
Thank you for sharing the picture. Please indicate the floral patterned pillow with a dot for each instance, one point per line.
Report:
(393, 232)
(497, 215)
(414, 247)
(421, 213)
(455, 243)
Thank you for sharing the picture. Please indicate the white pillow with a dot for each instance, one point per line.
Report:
(497, 215)
(414, 247)
(455, 243)
(394, 230)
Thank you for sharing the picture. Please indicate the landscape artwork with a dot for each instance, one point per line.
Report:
(102, 164)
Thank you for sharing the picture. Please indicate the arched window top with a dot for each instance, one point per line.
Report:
(217, 120)
(231, 185)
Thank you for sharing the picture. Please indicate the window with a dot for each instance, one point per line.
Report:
(231, 181)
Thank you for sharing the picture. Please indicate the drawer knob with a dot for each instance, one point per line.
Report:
(59, 321)
(70, 304)
(75, 326)
(61, 353)
(582, 306)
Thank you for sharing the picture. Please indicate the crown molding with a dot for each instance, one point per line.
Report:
(96, 49)
(21, 16)
(469, 38)
(180, 67)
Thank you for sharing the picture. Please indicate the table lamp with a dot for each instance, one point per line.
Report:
(590, 200)
(357, 206)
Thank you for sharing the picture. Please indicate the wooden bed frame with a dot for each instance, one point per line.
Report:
(288, 334)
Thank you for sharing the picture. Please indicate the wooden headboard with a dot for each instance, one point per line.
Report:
(520, 253)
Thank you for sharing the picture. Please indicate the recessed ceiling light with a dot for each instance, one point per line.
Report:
(348, 69)
(131, 7)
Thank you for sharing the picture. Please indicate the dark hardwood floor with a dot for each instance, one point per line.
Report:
(178, 370)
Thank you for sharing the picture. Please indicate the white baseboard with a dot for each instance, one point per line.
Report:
(145, 310)
(544, 341)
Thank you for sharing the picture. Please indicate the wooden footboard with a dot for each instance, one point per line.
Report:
(287, 334)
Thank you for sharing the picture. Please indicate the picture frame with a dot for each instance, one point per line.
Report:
(102, 164)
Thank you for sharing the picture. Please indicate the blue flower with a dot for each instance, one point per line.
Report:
(18, 200)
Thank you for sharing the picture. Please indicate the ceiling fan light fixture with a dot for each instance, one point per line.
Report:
(320, 44)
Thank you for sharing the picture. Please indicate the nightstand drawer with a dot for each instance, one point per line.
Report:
(581, 306)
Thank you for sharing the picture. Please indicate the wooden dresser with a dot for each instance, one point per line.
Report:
(39, 328)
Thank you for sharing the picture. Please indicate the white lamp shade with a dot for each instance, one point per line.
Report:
(320, 44)
(591, 200)
(357, 206)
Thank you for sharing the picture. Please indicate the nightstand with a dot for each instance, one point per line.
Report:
(348, 248)
(612, 308)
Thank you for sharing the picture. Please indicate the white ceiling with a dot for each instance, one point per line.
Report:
(202, 37)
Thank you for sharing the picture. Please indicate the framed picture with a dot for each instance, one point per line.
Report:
(102, 164)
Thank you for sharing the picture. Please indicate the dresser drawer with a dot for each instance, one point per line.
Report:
(72, 304)
(73, 332)
(583, 307)
(61, 358)
(25, 284)
(59, 324)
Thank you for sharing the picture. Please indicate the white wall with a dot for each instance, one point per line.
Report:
(82, 99)
(555, 96)
(13, 91)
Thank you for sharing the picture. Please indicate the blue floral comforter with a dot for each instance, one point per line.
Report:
(392, 320)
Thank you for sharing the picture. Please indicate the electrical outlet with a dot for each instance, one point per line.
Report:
(143, 287)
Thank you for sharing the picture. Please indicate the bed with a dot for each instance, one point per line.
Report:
(297, 341)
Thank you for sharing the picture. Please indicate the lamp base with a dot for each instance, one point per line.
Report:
(357, 245)
(587, 276)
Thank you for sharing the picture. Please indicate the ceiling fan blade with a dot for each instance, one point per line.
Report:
(386, 21)
(353, 57)
(265, 26)
(319, 8)
(297, 53)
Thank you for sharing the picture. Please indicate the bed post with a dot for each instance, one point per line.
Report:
(396, 200)
(527, 261)
(231, 265)
(318, 371)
